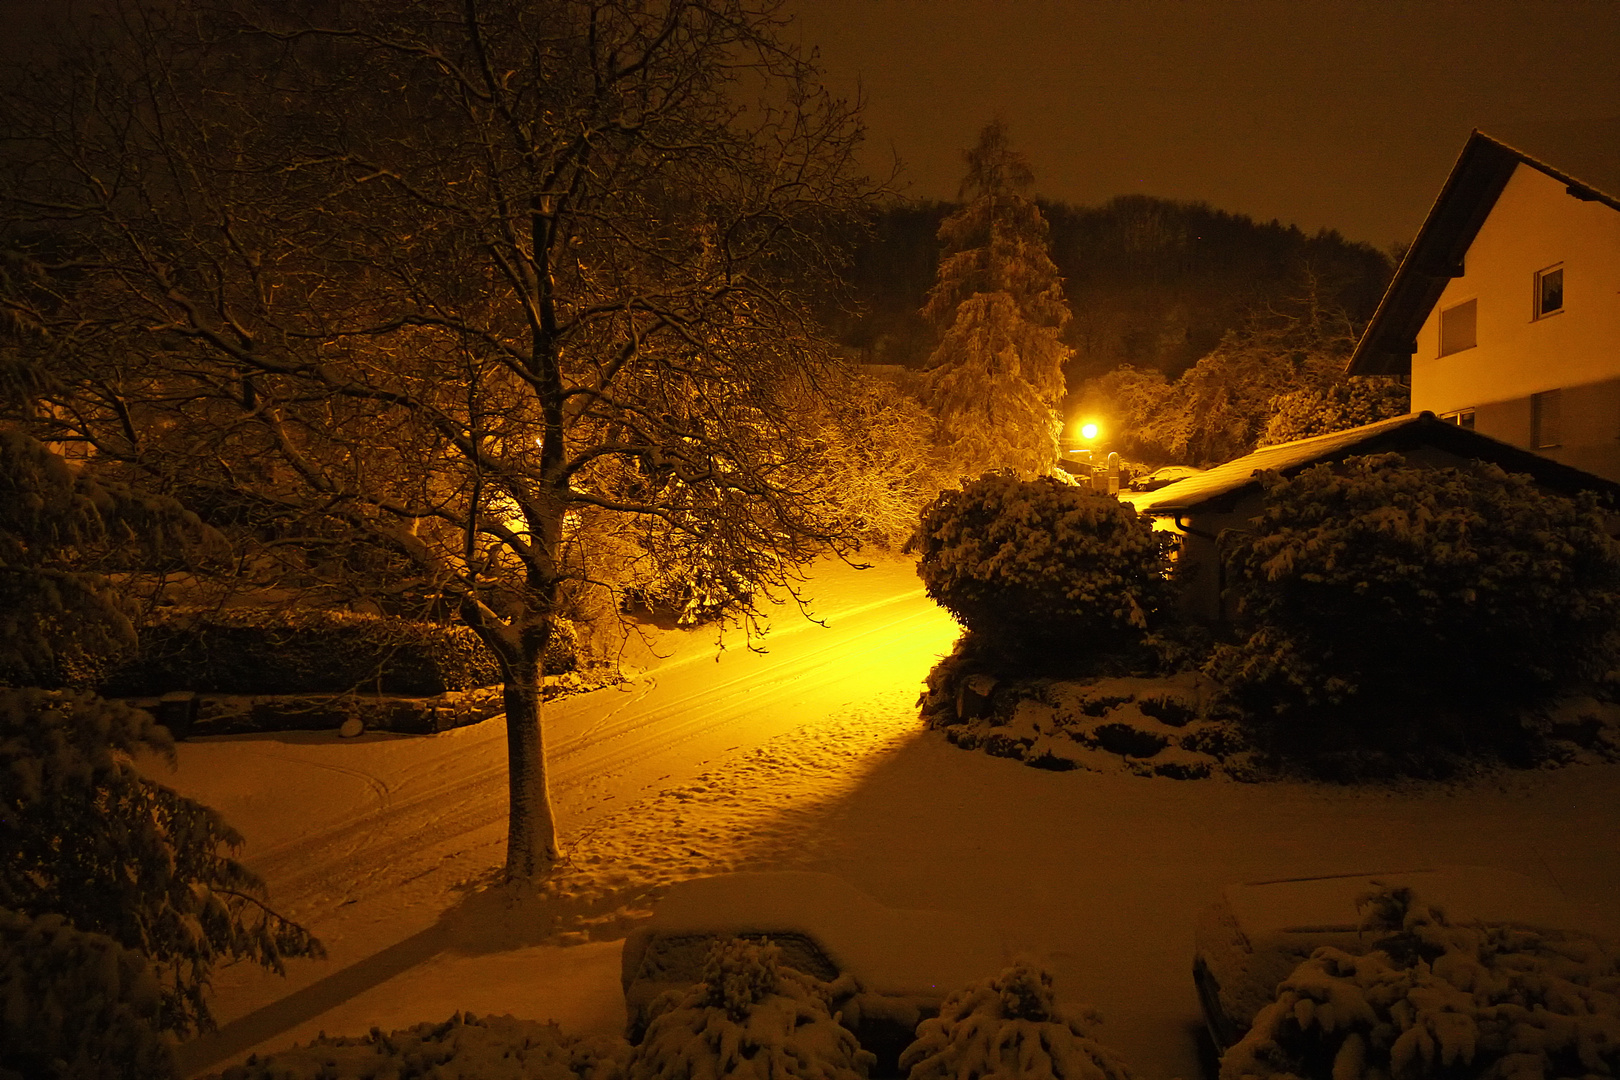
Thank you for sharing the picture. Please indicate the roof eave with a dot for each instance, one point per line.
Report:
(1435, 257)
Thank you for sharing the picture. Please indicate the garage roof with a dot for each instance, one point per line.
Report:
(1220, 487)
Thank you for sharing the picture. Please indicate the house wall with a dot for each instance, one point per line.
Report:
(1535, 224)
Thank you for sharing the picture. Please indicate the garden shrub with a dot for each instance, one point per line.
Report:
(750, 1017)
(1010, 1027)
(1443, 1001)
(465, 1047)
(1386, 604)
(1043, 568)
(311, 651)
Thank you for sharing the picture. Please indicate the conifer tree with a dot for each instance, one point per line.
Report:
(118, 895)
(996, 378)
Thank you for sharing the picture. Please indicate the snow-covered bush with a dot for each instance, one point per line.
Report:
(1010, 1028)
(1374, 594)
(1444, 1001)
(751, 1016)
(465, 1047)
(1338, 406)
(1040, 567)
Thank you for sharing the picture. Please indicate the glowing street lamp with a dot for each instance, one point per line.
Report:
(1088, 431)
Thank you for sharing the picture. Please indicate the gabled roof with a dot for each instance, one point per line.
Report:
(1436, 256)
(1219, 488)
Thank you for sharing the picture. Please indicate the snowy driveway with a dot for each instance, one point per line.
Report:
(817, 761)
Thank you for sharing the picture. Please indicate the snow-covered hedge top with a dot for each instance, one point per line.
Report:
(890, 951)
(464, 1047)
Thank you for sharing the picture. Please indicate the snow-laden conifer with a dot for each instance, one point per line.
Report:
(996, 378)
(118, 896)
(751, 1017)
(1010, 1027)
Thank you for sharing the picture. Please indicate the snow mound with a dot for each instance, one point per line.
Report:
(464, 1047)
(751, 1017)
(1010, 1027)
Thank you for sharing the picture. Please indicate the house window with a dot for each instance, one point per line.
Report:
(1457, 328)
(1550, 291)
(1463, 418)
(1546, 414)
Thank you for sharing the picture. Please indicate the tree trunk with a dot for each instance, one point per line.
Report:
(531, 839)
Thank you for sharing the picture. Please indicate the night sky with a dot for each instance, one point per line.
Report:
(1344, 115)
(1338, 114)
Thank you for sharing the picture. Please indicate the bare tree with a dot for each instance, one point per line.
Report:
(490, 288)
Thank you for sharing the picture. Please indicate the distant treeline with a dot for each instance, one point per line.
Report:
(1154, 283)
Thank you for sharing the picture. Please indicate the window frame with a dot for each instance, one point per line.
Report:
(1440, 326)
(1463, 418)
(1537, 291)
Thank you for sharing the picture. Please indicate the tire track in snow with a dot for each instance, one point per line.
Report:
(423, 827)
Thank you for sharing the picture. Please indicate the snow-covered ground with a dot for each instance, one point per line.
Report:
(808, 757)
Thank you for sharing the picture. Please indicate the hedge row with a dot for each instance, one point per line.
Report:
(264, 651)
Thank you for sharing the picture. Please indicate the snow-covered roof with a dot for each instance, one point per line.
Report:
(1400, 434)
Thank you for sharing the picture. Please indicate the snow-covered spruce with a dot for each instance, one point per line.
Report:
(1010, 1027)
(751, 1016)
(1444, 1001)
(465, 1047)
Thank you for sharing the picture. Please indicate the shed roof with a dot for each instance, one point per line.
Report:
(1467, 198)
(1221, 486)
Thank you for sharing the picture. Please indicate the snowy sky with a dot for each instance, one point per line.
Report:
(1339, 114)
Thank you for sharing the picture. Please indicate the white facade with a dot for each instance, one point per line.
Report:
(1539, 376)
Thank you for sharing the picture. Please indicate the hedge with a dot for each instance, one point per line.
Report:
(310, 651)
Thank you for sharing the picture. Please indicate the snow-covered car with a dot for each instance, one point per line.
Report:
(889, 968)
(1255, 934)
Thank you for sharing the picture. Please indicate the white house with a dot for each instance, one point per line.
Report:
(1505, 313)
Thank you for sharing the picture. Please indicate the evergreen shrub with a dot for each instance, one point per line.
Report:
(1040, 567)
(1010, 1027)
(311, 651)
(752, 1018)
(1395, 606)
